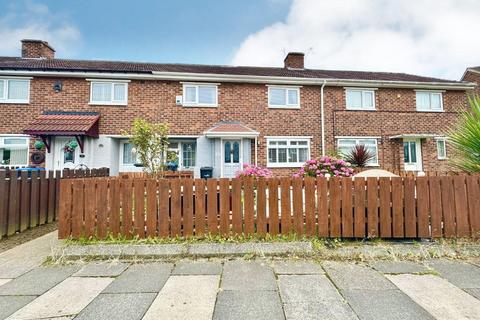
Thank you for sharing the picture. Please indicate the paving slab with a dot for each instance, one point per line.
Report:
(461, 274)
(38, 280)
(102, 269)
(10, 304)
(197, 268)
(398, 267)
(118, 306)
(247, 275)
(27, 256)
(240, 305)
(297, 267)
(3, 281)
(185, 297)
(349, 276)
(474, 292)
(240, 249)
(65, 299)
(148, 277)
(439, 297)
(384, 304)
(311, 297)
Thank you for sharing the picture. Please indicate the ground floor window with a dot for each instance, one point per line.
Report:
(345, 145)
(129, 157)
(14, 151)
(441, 148)
(287, 152)
(410, 152)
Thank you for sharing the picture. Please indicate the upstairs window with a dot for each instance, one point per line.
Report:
(109, 93)
(14, 91)
(284, 97)
(200, 95)
(429, 101)
(358, 99)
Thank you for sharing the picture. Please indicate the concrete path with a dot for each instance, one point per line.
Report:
(241, 289)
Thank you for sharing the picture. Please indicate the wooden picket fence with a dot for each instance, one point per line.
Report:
(30, 199)
(422, 207)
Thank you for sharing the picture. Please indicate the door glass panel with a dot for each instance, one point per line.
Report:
(68, 156)
(413, 152)
(236, 152)
(228, 152)
(406, 152)
(282, 155)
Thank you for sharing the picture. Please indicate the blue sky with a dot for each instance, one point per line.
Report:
(165, 31)
(431, 37)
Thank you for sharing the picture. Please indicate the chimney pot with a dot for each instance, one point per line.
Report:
(37, 49)
(294, 60)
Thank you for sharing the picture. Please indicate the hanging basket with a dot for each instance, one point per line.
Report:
(39, 145)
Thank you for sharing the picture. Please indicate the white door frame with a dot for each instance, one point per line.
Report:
(418, 165)
(222, 155)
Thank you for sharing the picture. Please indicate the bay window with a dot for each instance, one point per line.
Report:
(345, 146)
(287, 152)
(14, 151)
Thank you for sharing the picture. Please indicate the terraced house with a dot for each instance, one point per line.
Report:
(219, 116)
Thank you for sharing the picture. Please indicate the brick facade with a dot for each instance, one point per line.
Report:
(155, 101)
(473, 76)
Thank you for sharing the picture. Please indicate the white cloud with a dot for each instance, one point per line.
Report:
(29, 20)
(428, 37)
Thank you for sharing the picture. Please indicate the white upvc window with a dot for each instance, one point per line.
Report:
(14, 151)
(108, 92)
(200, 95)
(14, 90)
(360, 99)
(429, 101)
(345, 146)
(284, 97)
(441, 148)
(287, 152)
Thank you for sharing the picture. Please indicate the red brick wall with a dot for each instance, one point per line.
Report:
(473, 77)
(155, 101)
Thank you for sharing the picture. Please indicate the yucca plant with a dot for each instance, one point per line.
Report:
(464, 138)
(359, 156)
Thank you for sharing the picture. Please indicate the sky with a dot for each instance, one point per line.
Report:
(428, 37)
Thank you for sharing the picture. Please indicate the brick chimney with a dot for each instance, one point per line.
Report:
(37, 49)
(294, 60)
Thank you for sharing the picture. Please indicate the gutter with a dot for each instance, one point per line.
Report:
(209, 77)
(322, 116)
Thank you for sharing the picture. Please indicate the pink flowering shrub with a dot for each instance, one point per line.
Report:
(325, 166)
(250, 170)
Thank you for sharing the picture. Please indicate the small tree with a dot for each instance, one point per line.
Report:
(359, 156)
(464, 138)
(151, 143)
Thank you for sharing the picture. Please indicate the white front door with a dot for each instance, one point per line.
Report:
(64, 159)
(412, 154)
(232, 157)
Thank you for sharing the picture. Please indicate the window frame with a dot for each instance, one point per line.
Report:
(444, 141)
(5, 98)
(112, 83)
(27, 145)
(287, 147)
(362, 92)
(430, 92)
(286, 105)
(357, 139)
(197, 103)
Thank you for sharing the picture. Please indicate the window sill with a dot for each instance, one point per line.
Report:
(351, 109)
(14, 102)
(284, 107)
(285, 165)
(200, 106)
(426, 111)
(108, 104)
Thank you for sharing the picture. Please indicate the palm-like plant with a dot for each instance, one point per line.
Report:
(464, 138)
(359, 156)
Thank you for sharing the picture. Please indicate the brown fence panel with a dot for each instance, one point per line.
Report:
(151, 214)
(423, 207)
(397, 208)
(322, 200)
(102, 208)
(461, 206)
(13, 207)
(212, 206)
(297, 195)
(335, 207)
(51, 197)
(261, 206)
(385, 207)
(3, 203)
(175, 208)
(34, 199)
(448, 205)
(77, 208)
(310, 220)
(237, 207)
(127, 206)
(224, 194)
(347, 208)
(139, 207)
(188, 207)
(43, 208)
(24, 201)
(200, 207)
(372, 207)
(473, 191)
(436, 202)
(65, 209)
(163, 208)
(249, 209)
(114, 212)
(285, 205)
(410, 208)
(273, 221)
(359, 217)
(90, 207)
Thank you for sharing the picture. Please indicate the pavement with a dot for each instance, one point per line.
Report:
(236, 288)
